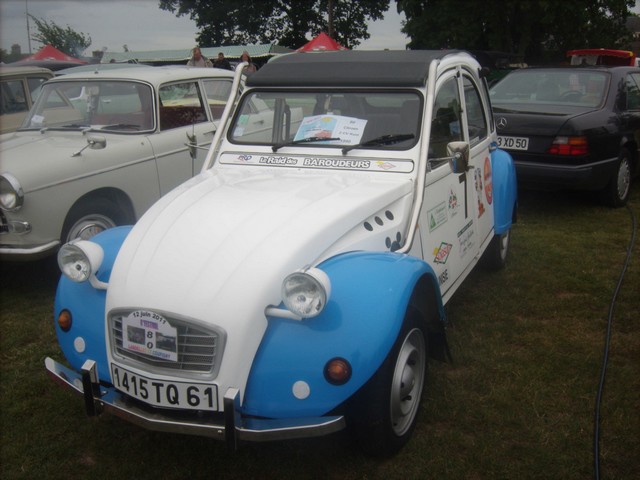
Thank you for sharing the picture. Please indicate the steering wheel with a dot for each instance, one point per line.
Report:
(571, 95)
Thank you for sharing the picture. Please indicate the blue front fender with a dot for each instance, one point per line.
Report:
(86, 338)
(505, 190)
(370, 292)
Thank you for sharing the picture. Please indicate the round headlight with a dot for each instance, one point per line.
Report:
(11, 194)
(79, 260)
(306, 293)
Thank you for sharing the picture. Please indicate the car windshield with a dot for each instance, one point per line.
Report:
(569, 87)
(371, 120)
(120, 106)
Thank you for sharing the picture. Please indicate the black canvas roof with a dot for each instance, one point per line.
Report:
(401, 68)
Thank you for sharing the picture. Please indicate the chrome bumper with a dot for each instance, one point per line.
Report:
(233, 429)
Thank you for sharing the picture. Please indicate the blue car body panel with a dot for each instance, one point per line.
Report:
(87, 305)
(505, 190)
(369, 298)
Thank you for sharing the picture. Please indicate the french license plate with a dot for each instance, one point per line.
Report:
(160, 393)
(513, 143)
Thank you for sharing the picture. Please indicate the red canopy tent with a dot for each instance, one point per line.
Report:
(321, 43)
(51, 53)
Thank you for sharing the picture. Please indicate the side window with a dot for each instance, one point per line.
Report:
(445, 126)
(34, 86)
(475, 113)
(217, 92)
(13, 97)
(181, 105)
(633, 91)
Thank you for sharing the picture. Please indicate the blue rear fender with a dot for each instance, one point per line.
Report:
(505, 190)
(370, 293)
(86, 338)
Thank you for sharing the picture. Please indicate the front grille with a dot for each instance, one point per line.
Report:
(199, 348)
(4, 225)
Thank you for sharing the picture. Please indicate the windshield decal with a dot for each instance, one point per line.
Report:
(346, 130)
(333, 163)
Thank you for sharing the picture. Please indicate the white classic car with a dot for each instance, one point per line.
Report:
(297, 284)
(99, 148)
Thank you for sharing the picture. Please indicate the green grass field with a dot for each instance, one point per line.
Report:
(518, 401)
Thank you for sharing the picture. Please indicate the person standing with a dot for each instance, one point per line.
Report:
(251, 67)
(198, 60)
(222, 62)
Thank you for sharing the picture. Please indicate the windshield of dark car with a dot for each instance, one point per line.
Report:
(328, 119)
(571, 87)
(121, 106)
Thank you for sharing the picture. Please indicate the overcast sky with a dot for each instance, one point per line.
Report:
(140, 24)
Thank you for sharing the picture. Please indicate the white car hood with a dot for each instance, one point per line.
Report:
(41, 159)
(217, 248)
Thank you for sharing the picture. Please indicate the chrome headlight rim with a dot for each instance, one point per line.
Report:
(79, 260)
(306, 292)
(10, 186)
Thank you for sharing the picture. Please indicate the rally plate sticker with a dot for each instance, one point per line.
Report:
(150, 334)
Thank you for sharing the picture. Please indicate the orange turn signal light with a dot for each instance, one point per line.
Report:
(337, 371)
(65, 320)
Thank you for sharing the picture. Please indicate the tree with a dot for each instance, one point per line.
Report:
(285, 22)
(535, 30)
(66, 40)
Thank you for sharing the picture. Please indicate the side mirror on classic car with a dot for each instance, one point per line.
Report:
(94, 143)
(459, 153)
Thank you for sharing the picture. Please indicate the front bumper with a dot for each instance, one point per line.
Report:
(232, 427)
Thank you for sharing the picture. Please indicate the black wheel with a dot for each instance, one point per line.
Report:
(495, 256)
(616, 193)
(90, 218)
(384, 412)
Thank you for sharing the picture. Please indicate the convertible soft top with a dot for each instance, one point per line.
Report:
(400, 68)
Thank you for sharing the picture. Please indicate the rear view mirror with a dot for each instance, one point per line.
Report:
(94, 142)
(459, 153)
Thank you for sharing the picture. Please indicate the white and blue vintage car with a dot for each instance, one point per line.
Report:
(297, 284)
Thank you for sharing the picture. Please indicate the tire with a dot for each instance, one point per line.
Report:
(616, 193)
(495, 256)
(384, 412)
(90, 218)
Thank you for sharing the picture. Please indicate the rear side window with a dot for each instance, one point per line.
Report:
(14, 98)
(633, 91)
(475, 113)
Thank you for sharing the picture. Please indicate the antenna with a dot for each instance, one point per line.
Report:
(26, 10)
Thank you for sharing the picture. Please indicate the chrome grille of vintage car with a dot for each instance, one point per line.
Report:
(4, 226)
(199, 349)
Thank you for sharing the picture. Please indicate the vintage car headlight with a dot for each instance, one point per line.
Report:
(80, 260)
(11, 194)
(306, 293)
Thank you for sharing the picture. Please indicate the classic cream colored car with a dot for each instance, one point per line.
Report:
(20, 86)
(99, 148)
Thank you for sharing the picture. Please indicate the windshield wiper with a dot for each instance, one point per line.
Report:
(121, 126)
(278, 146)
(382, 140)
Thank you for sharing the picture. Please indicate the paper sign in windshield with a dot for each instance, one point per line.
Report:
(348, 130)
(150, 334)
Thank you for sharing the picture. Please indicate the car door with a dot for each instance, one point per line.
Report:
(476, 128)
(447, 219)
(183, 119)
